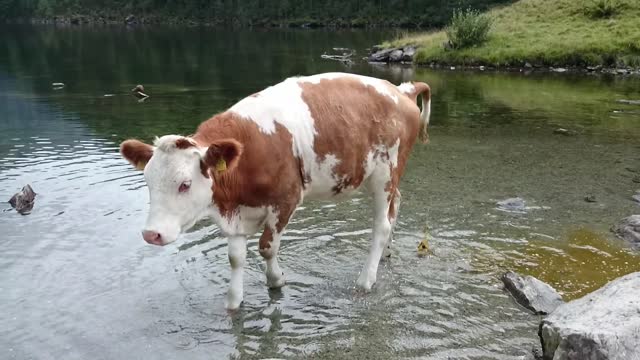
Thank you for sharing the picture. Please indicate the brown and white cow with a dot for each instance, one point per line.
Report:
(318, 137)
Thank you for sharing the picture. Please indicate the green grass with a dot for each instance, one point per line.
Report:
(544, 32)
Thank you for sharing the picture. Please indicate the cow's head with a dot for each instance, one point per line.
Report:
(178, 174)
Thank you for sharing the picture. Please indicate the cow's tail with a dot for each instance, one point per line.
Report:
(412, 90)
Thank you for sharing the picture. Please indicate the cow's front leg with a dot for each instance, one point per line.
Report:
(237, 258)
(269, 246)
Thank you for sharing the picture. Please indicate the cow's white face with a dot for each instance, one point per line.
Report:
(180, 188)
(179, 193)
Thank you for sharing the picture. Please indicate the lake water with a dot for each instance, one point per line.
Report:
(78, 282)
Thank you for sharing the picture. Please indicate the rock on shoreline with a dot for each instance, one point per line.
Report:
(392, 55)
(629, 230)
(532, 293)
(603, 325)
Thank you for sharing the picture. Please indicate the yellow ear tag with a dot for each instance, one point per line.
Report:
(140, 165)
(221, 165)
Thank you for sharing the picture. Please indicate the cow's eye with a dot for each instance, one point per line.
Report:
(184, 187)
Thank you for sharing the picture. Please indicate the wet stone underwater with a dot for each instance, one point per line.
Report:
(77, 281)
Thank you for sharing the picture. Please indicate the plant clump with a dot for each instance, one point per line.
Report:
(468, 28)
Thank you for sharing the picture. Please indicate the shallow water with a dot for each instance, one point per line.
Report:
(78, 282)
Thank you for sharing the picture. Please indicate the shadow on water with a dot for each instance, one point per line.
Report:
(78, 282)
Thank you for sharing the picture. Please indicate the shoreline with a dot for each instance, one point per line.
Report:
(404, 56)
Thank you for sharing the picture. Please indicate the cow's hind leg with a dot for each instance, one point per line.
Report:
(393, 216)
(381, 234)
(270, 243)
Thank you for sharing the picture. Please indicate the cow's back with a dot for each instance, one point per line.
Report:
(341, 126)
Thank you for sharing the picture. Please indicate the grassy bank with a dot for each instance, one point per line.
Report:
(545, 33)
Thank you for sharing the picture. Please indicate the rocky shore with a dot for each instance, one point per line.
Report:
(406, 55)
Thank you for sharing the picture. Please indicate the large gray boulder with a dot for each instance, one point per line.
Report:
(380, 56)
(532, 293)
(629, 229)
(408, 53)
(603, 325)
(395, 55)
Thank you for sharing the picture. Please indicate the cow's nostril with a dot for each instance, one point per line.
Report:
(152, 237)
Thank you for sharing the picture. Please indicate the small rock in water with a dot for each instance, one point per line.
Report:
(23, 201)
(57, 85)
(532, 293)
(559, 70)
(565, 132)
(590, 198)
(516, 204)
(629, 102)
(636, 197)
(603, 325)
(629, 230)
(138, 91)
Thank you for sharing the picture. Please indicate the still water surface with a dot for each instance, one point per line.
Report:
(78, 282)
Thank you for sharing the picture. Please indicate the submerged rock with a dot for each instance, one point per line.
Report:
(565, 132)
(629, 230)
(603, 325)
(629, 102)
(636, 197)
(516, 204)
(23, 201)
(590, 198)
(532, 293)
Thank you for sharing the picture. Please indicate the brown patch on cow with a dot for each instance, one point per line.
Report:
(136, 152)
(184, 143)
(266, 172)
(351, 118)
(265, 240)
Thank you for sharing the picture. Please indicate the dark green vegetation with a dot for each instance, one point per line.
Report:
(468, 28)
(546, 33)
(356, 13)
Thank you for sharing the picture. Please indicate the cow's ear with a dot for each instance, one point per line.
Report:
(223, 155)
(136, 152)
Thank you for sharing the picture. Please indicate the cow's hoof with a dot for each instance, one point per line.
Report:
(276, 282)
(365, 283)
(233, 302)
